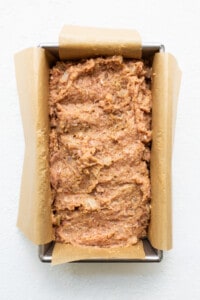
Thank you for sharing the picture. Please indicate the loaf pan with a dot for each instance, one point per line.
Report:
(151, 254)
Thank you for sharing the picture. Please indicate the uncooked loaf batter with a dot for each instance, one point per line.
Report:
(100, 116)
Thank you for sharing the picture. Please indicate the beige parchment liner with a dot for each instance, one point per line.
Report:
(63, 253)
(80, 42)
(32, 73)
(32, 67)
(165, 89)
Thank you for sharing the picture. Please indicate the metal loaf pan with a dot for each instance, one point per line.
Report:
(151, 254)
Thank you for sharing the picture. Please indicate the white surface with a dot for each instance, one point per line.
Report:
(22, 276)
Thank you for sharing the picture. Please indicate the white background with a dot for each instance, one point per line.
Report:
(176, 24)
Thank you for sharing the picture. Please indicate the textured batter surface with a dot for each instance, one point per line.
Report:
(100, 112)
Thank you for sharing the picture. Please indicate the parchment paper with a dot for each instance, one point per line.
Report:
(166, 83)
(32, 66)
(66, 253)
(80, 42)
(32, 75)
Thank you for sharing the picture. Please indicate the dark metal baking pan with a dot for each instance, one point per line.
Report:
(151, 254)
